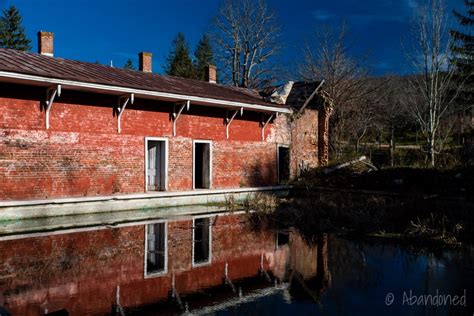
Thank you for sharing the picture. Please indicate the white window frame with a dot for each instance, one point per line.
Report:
(161, 139)
(165, 270)
(278, 158)
(198, 141)
(209, 261)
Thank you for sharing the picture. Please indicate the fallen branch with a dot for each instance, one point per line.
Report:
(350, 163)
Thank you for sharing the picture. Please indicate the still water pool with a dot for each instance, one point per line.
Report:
(217, 264)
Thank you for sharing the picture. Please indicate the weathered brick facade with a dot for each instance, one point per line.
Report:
(82, 154)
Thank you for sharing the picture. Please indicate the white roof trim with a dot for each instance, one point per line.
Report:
(147, 94)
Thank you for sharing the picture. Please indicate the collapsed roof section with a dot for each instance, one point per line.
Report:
(296, 95)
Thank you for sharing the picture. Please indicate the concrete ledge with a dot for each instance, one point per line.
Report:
(18, 210)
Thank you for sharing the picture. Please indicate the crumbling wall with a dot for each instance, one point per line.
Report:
(304, 142)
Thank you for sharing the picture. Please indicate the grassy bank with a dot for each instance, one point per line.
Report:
(415, 205)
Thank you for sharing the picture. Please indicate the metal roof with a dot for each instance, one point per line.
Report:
(33, 65)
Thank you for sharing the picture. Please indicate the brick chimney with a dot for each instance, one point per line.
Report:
(45, 43)
(144, 62)
(211, 73)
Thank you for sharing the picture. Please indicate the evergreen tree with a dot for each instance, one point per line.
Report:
(463, 54)
(129, 65)
(178, 62)
(12, 33)
(204, 56)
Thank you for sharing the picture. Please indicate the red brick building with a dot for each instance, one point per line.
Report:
(71, 129)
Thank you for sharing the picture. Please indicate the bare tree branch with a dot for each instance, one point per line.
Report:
(345, 91)
(246, 36)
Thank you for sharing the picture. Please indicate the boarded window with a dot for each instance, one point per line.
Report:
(156, 248)
(202, 240)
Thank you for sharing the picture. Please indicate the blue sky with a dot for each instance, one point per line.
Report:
(104, 30)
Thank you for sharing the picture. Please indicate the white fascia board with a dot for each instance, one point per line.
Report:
(146, 94)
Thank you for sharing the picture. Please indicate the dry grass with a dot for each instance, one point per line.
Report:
(231, 204)
(435, 227)
(262, 203)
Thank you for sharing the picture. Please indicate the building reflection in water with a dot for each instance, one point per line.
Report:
(168, 265)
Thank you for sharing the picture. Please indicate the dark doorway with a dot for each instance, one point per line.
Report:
(283, 164)
(283, 238)
(202, 165)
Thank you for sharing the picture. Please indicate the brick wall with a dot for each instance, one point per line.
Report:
(304, 142)
(80, 271)
(83, 155)
(300, 134)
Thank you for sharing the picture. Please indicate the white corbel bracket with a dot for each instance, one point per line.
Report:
(264, 124)
(176, 114)
(122, 104)
(51, 94)
(229, 120)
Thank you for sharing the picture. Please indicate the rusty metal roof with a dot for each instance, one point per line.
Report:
(59, 68)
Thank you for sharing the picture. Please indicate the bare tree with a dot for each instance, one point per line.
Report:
(392, 112)
(432, 96)
(246, 37)
(344, 80)
(362, 115)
